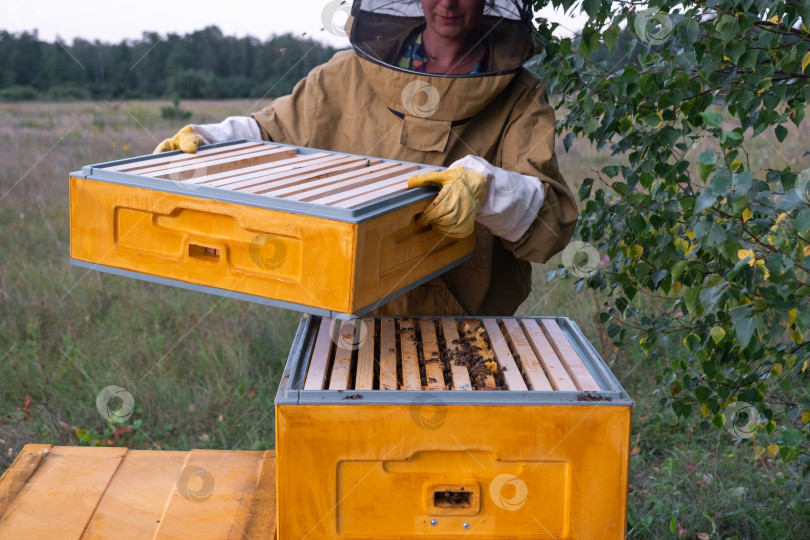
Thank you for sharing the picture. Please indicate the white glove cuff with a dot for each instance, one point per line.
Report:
(233, 127)
(513, 199)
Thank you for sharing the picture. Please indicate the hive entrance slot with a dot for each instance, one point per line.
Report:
(202, 252)
(452, 498)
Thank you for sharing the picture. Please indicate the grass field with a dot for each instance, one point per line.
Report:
(203, 370)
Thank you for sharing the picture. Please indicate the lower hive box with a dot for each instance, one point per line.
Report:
(415, 427)
(304, 229)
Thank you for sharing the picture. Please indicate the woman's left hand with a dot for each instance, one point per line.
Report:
(505, 202)
(453, 211)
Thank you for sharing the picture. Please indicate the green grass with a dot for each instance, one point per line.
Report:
(203, 370)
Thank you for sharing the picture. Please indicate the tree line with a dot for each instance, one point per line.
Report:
(202, 64)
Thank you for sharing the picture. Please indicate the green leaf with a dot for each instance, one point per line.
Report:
(717, 235)
(653, 119)
(708, 157)
(792, 437)
(781, 132)
(705, 200)
(692, 342)
(568, 141)
(636, 223)
(585, 189)
(687, 60)
(740, 184)
(669, 135)
(749, 59)
(692, 298)
(720, 183)
(702, 393)
(658, 277)
(718, 334)
(620, 187)
(802, 222)
(611, 37)
(591, 7)
(735, 50)
(678, 269)
(611, 170)
(778, 264)
(743, 323)
(712, 119)
(728, 28)
(692, 34)
(710, 297)
(705, 169)
(730, 139)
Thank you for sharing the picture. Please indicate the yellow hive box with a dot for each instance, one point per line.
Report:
(293, 227)
(447, 428)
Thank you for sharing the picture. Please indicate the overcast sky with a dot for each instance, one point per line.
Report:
(111, 21)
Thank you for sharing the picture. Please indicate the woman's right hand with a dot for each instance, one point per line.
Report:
(185, 140)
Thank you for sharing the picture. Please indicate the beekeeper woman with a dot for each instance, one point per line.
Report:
(439, 82)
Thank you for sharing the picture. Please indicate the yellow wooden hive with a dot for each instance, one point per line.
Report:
(298, 228)
(448, 428)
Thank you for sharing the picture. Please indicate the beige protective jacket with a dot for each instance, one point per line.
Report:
(355, 106)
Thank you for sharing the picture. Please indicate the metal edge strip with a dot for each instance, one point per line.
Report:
(456, 397)
(301, 346)
(601, 367)
(360, 214)
(575, 338)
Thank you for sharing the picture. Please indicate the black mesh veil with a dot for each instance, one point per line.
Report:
(380, 27)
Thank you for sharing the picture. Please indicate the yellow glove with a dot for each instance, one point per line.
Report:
(453, 211)
(185, 140)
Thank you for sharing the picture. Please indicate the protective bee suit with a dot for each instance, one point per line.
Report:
(496, 122)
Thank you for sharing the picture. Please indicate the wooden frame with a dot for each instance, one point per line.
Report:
(529, 354)
(339, 180)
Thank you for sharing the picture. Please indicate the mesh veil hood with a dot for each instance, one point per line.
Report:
(380, 27)
(432, 105)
